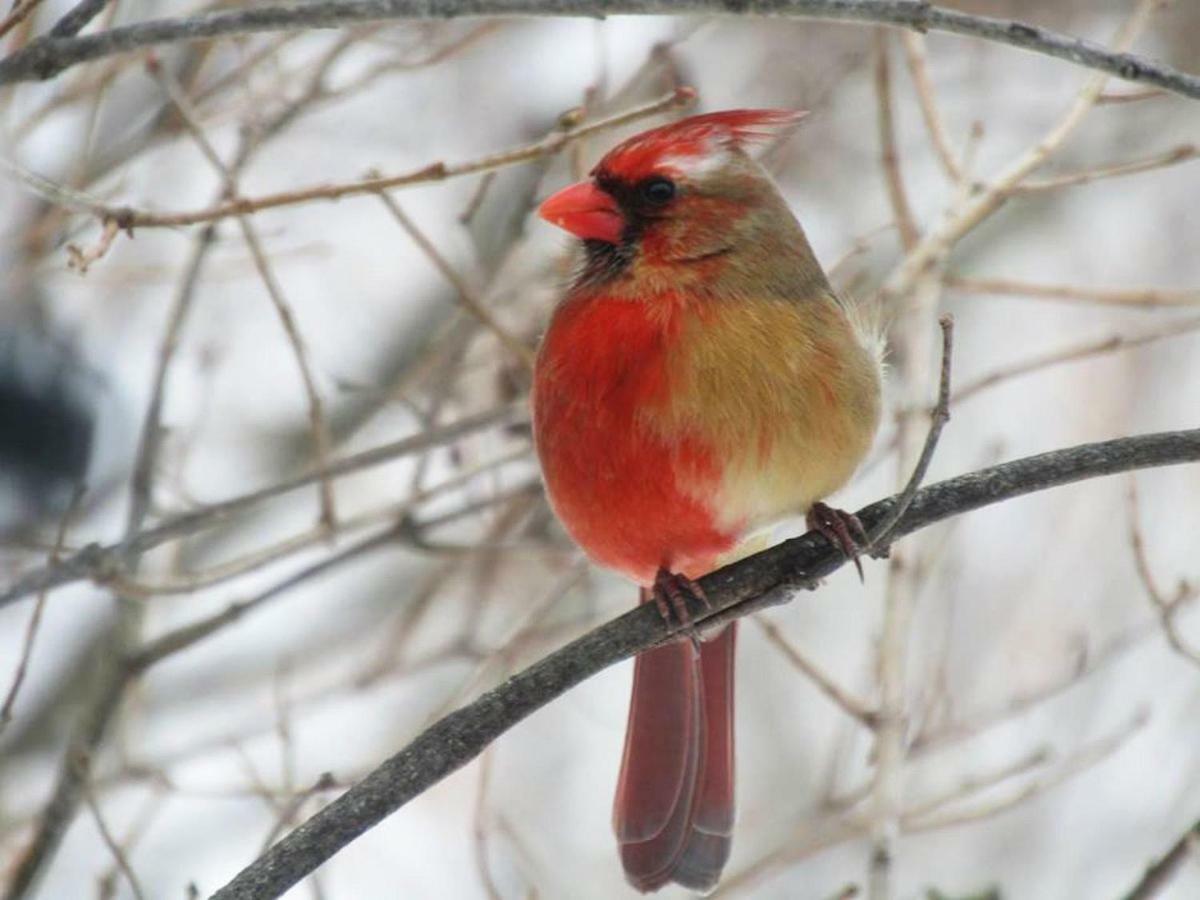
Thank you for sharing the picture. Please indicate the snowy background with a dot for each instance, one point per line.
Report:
(218, 748)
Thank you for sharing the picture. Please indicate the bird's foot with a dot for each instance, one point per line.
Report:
(842, 529)
(672, 593)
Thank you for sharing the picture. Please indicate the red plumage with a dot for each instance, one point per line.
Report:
(697, 136)
(614, 484)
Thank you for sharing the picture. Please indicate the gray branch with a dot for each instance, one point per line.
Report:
(1159, 875)
(49, 55)
(734, 590)
(99, 562)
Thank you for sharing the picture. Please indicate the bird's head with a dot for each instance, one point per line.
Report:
(683, 193)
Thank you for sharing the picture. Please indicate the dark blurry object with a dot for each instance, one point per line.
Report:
(47, 425)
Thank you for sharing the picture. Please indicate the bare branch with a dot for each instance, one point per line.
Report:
(77, 18)
(467, 296)
(847, 702)
(1113, 97)
(914, 55)
(1167, 607)
(885, 123)
(19, 13)
(1080, 760)
(738, 589)
(1181, 154)
(186, 635)
(46, 57)
(1075, 352)
(129, 218)
(35, 620)
(113, 847)
(939, 418)
(318, 428)
(1090, 661)
(102, 562)
(107, 689)
(982, 203)
(1160, 873)
(80, 259)
(1103, 296)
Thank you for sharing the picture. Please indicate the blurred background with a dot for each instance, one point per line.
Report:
(301, 629)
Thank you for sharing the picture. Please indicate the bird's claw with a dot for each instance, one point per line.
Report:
(672, 593)
(842, 529)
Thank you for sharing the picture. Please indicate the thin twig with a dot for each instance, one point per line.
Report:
(893, 179)
(1084, 758)
(1104, 296)
(101, 562)
(938, 419)
(1167, 607)
(1181, 154)
(1161, 872)
(186, 636)
(1089, 662)
(77, 18)
(35, 618)
(318, 428)
(81, 259)
(1074, 353)
(847, 702)
(467, 296)
(480, 826)
(1130, 96)
(141, 482)
(129, 218)
(912, 338)
(18, 14)
(113, 847)
(914, 55)
(133, 835)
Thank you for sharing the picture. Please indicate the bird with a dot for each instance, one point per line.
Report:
(699, 380)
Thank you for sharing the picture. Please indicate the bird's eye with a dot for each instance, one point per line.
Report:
(658, 190)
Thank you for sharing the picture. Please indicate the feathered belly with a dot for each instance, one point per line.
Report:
(633, 498)
(618, 492)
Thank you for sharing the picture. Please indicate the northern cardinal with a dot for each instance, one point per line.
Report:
(699, 379)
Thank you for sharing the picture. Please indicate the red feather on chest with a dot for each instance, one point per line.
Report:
(631, 496)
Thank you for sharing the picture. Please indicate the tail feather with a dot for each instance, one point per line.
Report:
(711, 838)
(675, 799)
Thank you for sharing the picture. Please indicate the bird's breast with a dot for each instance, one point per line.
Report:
(633, 495)
(667, 429)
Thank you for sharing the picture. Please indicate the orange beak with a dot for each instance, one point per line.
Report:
(585, 211)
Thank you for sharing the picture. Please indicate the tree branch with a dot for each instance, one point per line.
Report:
(101, 562)
(129, 217)
(47, 56)
(734, 591)
(1161, 872)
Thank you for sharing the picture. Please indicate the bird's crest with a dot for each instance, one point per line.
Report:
(693, 140)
